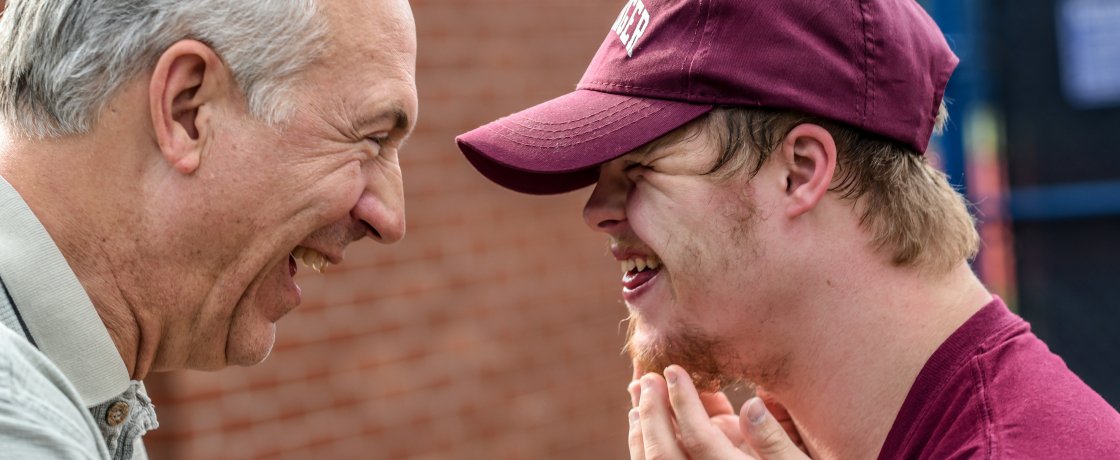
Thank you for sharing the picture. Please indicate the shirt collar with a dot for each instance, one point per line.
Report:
(53, 304)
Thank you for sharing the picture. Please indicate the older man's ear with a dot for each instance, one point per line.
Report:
(188, 81)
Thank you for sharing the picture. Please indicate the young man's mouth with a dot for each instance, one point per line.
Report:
(639, 270)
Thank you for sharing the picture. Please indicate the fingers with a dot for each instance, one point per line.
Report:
(637, 448)
(659, 440)
(671, 420)
(717, 404)
(634, 437)
(782, 415)
(764, 434)
(722, 415)
(699, 437)
(790, 429)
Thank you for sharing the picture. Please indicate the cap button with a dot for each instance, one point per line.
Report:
(118, 412)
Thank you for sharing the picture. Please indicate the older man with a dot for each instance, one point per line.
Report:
(165, 164)
(758, 167)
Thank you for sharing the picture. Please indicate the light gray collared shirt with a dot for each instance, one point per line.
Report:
(42, 301)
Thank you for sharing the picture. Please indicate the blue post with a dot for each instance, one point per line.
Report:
(966, 94)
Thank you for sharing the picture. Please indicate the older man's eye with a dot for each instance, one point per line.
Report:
(380, 140)
(378, 143)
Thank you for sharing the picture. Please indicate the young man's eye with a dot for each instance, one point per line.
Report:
(635, 166)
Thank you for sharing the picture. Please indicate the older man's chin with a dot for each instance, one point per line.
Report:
(252, 328)
(249, 341)
(251, 350)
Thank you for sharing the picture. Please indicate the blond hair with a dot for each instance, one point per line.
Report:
(907, 205)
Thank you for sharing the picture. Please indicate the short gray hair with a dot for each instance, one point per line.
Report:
(62, 60)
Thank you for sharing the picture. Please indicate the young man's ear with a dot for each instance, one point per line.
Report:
(188, 79)
(808, 154)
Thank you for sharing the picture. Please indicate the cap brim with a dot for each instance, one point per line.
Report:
(556, 146)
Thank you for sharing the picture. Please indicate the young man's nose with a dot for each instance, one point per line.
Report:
(605, 211)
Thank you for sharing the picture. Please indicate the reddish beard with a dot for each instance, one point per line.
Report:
(689, 349)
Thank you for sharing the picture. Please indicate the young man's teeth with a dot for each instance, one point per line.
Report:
(311, 258)
(640, 264)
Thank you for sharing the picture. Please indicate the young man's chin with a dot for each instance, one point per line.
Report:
(696, 354)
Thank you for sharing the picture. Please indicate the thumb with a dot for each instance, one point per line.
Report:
(764, 434)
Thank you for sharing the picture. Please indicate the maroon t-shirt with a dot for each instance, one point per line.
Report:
(993, 390)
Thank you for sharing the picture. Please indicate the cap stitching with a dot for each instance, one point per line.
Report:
(590, 115)
(699, 43)
(619, 106)
(574, 132)
(653, 90)
(863, 6)
(497, 130)
(610, 119)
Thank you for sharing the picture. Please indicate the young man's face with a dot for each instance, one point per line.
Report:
(705, 285)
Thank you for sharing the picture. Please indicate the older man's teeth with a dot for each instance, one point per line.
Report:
(311, 258)
(640, 264)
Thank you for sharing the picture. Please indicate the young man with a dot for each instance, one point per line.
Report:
(759, 170)
(164, 165)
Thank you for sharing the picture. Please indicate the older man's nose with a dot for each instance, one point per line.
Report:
(381, 214)
(380, 223)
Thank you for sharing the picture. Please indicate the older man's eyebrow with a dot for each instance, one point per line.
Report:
(395, 113)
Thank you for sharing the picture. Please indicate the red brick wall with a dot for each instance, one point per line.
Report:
(490, 332)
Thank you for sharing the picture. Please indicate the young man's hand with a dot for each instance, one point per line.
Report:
(671, 420)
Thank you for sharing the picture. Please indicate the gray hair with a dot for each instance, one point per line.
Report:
(61, 61)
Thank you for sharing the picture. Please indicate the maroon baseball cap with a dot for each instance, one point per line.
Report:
(877, 65)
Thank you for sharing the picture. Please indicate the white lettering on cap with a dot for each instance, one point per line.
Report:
(628, 30)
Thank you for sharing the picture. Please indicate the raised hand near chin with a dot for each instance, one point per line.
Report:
(672, 420)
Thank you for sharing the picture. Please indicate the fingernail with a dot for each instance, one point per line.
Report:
(634, 416)
(645, 384)
(756, 411)
(671, 376)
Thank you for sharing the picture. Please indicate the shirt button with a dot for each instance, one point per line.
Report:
(118, 412)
